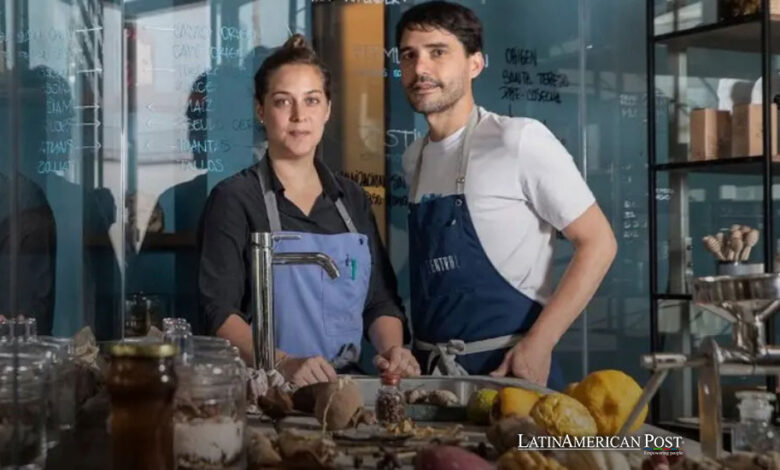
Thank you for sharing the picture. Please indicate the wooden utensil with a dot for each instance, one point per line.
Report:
(751, 239)
(721, 237)
(735, 245)
(714, 246)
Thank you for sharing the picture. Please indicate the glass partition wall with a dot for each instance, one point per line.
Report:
(119, 117)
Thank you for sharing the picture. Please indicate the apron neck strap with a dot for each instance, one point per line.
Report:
(269, 198)
(460, 181)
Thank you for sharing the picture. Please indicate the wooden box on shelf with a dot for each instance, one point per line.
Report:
(710, 134)
(747, 131)
(731, 9)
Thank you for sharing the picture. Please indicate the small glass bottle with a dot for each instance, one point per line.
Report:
(754, 432)
(142, 384)
(390, 401)
(180, 335)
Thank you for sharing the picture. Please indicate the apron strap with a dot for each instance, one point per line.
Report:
(345, 216)
(460, 181)
(455, 347)
(271, 207)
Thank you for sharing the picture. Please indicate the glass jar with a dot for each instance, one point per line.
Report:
(65, 380)
(142, 312)
(206, 341)
(20, 328)
(755, 432)
(54, 359)
(142, 383)
(390, 401)
(22, 412)
(180, 335)
(210, 416)
(170, 322)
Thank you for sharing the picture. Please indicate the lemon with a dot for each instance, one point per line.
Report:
(480, 404)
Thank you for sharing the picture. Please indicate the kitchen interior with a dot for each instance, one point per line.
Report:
(119, 117)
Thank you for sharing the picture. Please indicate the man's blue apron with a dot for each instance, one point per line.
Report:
(465, 314)
(317, 315)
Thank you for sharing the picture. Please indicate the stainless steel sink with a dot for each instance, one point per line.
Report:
(463, 387)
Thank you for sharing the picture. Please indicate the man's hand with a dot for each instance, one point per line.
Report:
(307, 370)
(397, 359)
(529, 359)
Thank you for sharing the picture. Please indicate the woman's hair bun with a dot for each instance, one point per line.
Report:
(296, 41)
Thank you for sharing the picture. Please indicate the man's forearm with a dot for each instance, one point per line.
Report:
(579, 283)
(239, 333)
(386, 332)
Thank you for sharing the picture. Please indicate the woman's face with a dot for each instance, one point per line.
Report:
(295, 109)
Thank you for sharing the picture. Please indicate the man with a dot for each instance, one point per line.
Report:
(487, 194)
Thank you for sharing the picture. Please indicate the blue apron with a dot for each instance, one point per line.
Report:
(465, 314)
(317, 315)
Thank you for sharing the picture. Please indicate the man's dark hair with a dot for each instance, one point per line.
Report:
(451, 17)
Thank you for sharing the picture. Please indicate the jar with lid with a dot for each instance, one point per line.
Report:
(755, 432)
(22, 412)
(210, 413)
(390, 401)
(142, 384)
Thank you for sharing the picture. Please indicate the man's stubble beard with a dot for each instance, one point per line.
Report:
(451, 95)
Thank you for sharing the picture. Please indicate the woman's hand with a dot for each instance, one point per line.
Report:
(306, 370)
(397, 359)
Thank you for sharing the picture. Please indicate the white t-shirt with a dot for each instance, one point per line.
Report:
(521, 186)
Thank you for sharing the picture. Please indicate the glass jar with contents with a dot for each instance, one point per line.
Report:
(210, 414)
(142, 383)
(755, 432)
(22, 412)
(390, 401)
(54, 358)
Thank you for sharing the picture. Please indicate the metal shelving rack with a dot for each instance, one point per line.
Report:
(751, 33)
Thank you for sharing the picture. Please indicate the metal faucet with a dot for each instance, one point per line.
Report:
(263, 259)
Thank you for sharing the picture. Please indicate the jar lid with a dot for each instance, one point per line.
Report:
(759, 395)
(389, 378)
(148, 350)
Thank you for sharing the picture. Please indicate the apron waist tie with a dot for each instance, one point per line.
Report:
(457, 347)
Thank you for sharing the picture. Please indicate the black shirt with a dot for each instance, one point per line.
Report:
(235, 208)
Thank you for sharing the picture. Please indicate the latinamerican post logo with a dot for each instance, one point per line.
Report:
(650, 444)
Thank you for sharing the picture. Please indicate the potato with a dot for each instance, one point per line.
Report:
(261, 451)
(337, 403)
(449, 458)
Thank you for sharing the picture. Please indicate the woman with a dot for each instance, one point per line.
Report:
(289, 190)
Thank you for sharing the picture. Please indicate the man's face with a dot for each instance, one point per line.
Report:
(436, 71)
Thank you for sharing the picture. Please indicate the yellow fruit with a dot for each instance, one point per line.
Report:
(480, 405)
(513, 401)
(570, 388)
(610, 395)
(562, 415)
(527, 460)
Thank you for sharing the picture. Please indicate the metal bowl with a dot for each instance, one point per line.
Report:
(750, 287)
